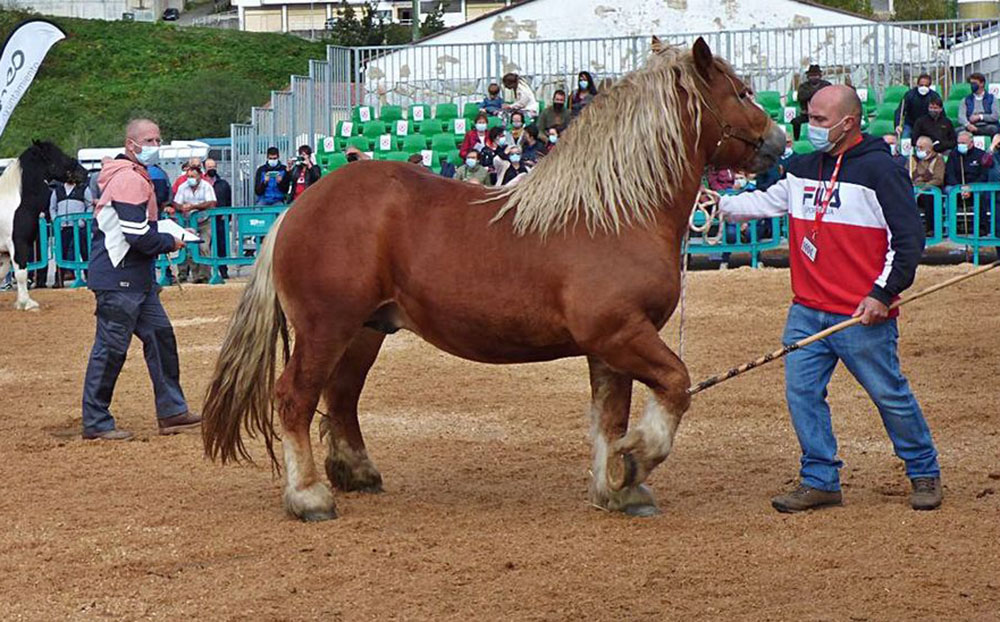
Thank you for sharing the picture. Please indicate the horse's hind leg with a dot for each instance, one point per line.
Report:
(347, 464)
(611, 397)
(641, 354)
(297, 393)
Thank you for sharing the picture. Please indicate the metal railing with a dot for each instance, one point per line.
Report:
(866, 54)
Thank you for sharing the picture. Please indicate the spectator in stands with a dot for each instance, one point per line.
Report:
(516, 168)
(71, 197)
(303, 172)
(720, 179)
(192, 197)
(584, 94)
(551, 137)
(787, 156)
(494, 152)
(814, 82)
(914, 105)
(978, 111)
(968, 165)
(515, 135)
(493, 102)
(897, 157)
(937, 126)
(475, 139)
(161, 187)
(926, 169)
(994, 174)
(354, 154)
(447, 168)
(520, 96)
(416, 158)
(472, 170)
(532, 149)
(555, 116)
(271, 180)
(223, 198)
(183, 178)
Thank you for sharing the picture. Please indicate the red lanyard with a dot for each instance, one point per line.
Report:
(824, 203)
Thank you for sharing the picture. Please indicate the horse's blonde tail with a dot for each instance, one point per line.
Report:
(239, 395)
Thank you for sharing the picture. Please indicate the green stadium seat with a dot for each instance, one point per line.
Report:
(867, 96)
(802, 147)
(951, 109)
(959, 91)
(414, 143)
(388, 114)
(400, 128)
(446, 111)
(442, 142)
(886, 111)
(333, 161)
(470, 110)
(396, 156)
(459, 127)
(771, 102)
(493, 122)
(385, 143)
(881, 127)
(359, 142)
(362, 114)
(418, 112)
(430, 127)
(894, 94)
(455, 157)
(373, 130)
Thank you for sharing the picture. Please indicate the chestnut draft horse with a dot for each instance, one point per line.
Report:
(580, 259)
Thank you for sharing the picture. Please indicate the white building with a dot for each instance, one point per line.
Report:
(140, 10)
(303, 15)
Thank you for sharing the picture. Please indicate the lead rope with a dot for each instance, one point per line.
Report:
(706, 203)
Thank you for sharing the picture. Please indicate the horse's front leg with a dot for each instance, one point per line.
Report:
(638, 352)
(24, 302)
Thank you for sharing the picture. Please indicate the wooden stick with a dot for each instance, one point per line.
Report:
(777, 354)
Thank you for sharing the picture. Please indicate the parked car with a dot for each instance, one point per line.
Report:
(171, 15)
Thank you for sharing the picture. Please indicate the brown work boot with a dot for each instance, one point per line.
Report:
(926, 493)
(114, 434)
(806, 498)
(178, 423)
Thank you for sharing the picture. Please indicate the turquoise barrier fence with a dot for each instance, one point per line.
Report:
(76, 228)
(935, 213)
(43, 238)
(972, 216)
(243, 229)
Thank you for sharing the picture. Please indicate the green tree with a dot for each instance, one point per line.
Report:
(861, 7)
(913, 10)
(433, 21)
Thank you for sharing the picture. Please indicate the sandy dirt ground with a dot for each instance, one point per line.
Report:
(485, 514)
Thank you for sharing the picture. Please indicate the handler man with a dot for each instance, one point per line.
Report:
(123, 253)
(855, 239)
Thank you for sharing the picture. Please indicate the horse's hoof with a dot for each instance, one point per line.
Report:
(317, 516)
(374, 489)
(642, 511)
(622, 470)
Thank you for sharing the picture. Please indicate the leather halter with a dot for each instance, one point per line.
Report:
(728, 131)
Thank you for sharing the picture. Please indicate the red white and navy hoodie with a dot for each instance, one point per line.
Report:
(868, 243)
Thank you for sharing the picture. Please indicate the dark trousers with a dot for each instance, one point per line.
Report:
(119, 316)
(925, 205)
(222, 242)
(40, 276)
(797, 125)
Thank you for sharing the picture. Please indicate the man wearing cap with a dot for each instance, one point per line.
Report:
(814, 82)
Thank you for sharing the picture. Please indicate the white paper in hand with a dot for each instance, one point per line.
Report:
(174, 229)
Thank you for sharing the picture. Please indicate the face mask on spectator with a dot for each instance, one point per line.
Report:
(934, 113)
(471, 162)
(813, 79)
(975, 87)
(584, 84)
(739, 182)
(788, 152)
(820, 136)
(921, 154)
(211, 173)
(893, 149)
(481, 127)
(515, 157)
(962, 148)
(518, 124)
(272, 161)
(553, 139)
(193, 182)
(148, 154)
(923, 90)
(502, 140)
(558, 106)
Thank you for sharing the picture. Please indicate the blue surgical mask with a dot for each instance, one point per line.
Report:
(921, 154)
(819, 137)
(481, 127)
(962, 148)
(502, 140)
(471, 162)
(515, 157)
(975, 87)
(193, 182)
(553, 140)
(584, 84)
(518, 123)
(149, 154)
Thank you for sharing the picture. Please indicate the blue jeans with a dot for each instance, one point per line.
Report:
(870, 354)
(119, 316)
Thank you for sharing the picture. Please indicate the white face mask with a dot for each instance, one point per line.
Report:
(272, 161)
(923, 90)
(788, 152)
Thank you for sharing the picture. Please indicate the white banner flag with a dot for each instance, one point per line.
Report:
(23, 53)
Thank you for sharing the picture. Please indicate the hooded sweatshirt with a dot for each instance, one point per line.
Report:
(126, 241)
(870, 239)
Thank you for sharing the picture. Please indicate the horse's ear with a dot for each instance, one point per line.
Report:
(702, 56)
(657, 45)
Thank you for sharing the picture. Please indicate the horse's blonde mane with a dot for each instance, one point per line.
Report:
(621, 159)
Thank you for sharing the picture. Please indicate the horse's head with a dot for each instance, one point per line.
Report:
(51, 163)
(736, 132)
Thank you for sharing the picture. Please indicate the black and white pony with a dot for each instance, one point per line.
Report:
(24, 196)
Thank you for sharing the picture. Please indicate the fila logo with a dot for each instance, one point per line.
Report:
(813, 196)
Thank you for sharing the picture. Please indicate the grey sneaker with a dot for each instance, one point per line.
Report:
(111, 435)
(806, 498)
(926, 493)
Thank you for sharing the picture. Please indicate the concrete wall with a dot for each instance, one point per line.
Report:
(93, 9)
